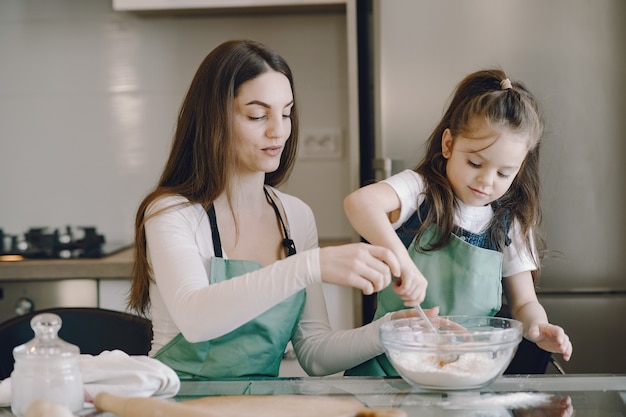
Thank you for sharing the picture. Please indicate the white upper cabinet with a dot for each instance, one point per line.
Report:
(146, 5)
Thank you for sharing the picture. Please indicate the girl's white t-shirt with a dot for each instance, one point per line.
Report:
(409, 186)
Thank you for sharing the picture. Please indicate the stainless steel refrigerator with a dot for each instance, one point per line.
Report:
(572, 55)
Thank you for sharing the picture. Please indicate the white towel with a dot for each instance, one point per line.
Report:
(120, 374)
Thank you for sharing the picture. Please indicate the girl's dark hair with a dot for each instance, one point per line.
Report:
(202, 158)
(481, 96)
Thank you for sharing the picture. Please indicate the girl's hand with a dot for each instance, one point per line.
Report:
(551, 338)
(411, 285)
(360, 265)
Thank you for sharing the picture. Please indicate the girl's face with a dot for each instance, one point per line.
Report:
(262, 121)
(482, 166)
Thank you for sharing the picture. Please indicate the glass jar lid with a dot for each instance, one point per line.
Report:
(46, 342)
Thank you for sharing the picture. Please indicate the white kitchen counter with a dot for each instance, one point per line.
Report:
(515, 395)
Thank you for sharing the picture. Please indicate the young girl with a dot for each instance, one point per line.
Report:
(469, 213)
(227, 266)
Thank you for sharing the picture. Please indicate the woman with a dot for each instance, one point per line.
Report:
(227, 266)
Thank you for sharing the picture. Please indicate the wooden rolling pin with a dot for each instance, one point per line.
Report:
(241, 406)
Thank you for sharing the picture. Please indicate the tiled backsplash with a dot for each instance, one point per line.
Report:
(89, 98)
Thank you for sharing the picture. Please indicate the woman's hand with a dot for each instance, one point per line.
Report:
(360, 265)
(551, 338)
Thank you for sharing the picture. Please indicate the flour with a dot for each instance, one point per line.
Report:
(472, 369)
(510, 400)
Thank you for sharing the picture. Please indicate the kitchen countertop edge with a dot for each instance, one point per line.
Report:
(114, 266)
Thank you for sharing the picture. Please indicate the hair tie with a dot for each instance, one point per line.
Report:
(505, 84)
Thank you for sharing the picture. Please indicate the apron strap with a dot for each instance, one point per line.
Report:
(215, 233)
(407, 231)
(287, 242)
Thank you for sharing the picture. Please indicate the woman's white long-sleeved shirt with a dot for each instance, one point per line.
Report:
(180, 246)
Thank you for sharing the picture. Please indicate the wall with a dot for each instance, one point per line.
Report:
(89, 97)
(88, 100)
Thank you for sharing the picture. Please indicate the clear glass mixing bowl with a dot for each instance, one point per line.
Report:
(467, 352)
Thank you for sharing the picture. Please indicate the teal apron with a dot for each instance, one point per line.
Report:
(463, 279)
(253, 349)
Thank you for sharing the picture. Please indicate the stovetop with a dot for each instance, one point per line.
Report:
(66, 243)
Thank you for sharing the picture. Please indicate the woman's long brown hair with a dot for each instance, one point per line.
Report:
(202, 157)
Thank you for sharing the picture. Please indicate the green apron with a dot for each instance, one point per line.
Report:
(463, 279)
(254, 349)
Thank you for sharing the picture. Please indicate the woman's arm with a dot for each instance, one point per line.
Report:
(322, 351)
(179, 248)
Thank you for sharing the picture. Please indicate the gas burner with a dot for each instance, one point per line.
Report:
(38, 243)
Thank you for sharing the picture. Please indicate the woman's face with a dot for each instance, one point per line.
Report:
(482, 165)
(262, 122)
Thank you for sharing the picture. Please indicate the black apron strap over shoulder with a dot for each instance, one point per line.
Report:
(217, 243)
(288, 243)
(408, 230)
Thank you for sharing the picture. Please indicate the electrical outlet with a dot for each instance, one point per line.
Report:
(321, 143)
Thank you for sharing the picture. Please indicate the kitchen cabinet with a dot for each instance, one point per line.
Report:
(153, 5)
(19, 297)
(43, 283)
(112, 293)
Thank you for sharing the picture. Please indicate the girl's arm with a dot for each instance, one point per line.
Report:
(525, 307)
(371, 211)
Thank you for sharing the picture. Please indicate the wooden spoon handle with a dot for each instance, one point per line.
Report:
(145, 407)
(241, 406)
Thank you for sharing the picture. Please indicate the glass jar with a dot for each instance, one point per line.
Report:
(46, 368)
